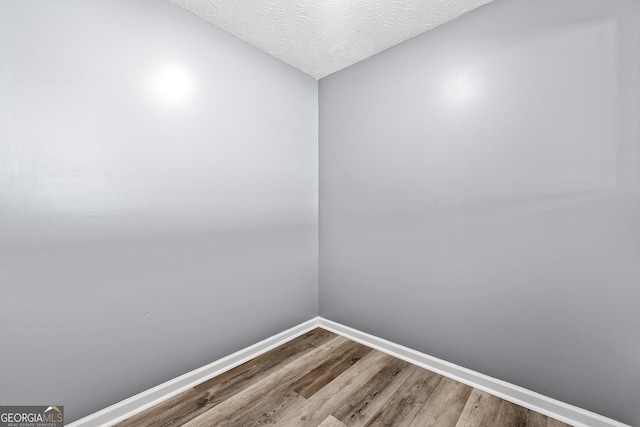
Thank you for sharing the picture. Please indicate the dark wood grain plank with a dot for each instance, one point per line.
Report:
(537, 420)
(481, 410)
(367, 401)
(235, 406)
(328, 371)
(331, 421)
(444, 406)
(277, 406)
(259, 367)
(173, 412)
(324, 402)
(402, 407)
(555, 423)
(512, 415)
(324, 379)
(216, 390)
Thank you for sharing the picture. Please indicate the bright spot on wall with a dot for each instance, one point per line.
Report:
(461, 87)
(172, 85)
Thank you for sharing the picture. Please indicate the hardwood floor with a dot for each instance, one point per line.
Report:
(323, 379)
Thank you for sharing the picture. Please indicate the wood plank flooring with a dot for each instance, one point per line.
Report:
(323, 379)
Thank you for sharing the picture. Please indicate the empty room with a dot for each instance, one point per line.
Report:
(320, 212)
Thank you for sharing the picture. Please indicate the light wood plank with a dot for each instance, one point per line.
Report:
(512, 415)
(331, 421)
(221, 387)
(403, 406)
(480, 410)
(237, 405)
(345, 384)
(218, 389)
(325, 373)
(173, 412)
(271, 411)
(324, 402)
(537, 420)
(444, 406)
(366, 402)
(555, 423)
(282, 402)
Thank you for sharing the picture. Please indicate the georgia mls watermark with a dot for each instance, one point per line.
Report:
(32, 416)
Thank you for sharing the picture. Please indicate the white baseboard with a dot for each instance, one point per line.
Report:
(148, 398)
(545, 405)
(553, 408)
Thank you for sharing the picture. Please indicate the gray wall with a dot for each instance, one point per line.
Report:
(144, 235)
(480, 197)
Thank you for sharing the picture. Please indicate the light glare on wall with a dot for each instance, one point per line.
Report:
(461, 87)
(172, 85)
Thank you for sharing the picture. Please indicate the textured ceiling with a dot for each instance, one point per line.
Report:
(321, 37)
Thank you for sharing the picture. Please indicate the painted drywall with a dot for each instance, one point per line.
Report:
(158, 198)
(480, 197)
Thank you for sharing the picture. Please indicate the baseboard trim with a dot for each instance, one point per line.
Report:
(148, 398)
(545, 405)
(521, 396)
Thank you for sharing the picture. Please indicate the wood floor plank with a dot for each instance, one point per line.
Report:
(272, 410)
(367, 401)
(324, 402)
(537, 420)
(229, 410)
(480, 410)
(512, 415)
(292, 410)
(444, 406)
(283, 403)
(555, 423)
(173, 412)
(402, 407)
(325, 373)
(217, 389)
(261, 366)
(322, 379)
(331, 421)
